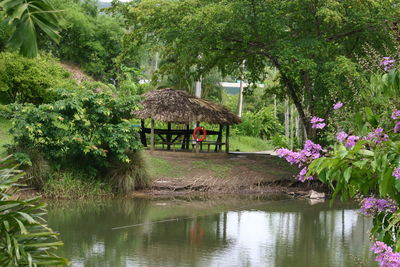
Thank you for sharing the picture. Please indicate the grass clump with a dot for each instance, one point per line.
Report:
(249, 144)
(5, 137)
(66, 186)
(125, 177)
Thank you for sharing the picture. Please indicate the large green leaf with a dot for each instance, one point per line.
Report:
(28, 17)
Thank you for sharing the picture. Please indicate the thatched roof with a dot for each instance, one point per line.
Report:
(169, 105)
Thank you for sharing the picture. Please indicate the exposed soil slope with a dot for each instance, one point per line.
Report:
(183, 172)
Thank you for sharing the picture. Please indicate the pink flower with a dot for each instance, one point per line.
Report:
(396, 173)
(351, 141)
(387, 63)
(377, 136)
(397, 127)
(395, 114)
(317, 123)
(338, 105)
(341, 136)
(385, 255)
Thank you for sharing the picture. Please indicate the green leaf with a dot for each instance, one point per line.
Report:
(386, 184)
(347, 174)
(27, 17)
(365, 152)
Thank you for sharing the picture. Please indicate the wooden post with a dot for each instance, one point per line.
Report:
(219, 139)
(197, 143)
(169, 136)
(152, 135)
(227, 139)
(187, 136)
(143, 134)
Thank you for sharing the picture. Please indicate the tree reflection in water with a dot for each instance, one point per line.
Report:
(216, 232)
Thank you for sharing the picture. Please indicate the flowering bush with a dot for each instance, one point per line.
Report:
(364, 162)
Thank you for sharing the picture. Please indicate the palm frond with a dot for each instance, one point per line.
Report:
(29, 17)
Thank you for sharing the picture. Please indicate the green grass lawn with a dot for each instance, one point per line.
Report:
(5, 137)
(249, 144)
(220, 170)
(158, 167)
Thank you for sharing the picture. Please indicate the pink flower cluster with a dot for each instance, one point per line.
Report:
(377, 136)
(302, 158)
(371, 206)
(338, 105)
(396, 116)
(350, 140)
(317, 123)
(387, 63)
(396, 173)
(386, 257)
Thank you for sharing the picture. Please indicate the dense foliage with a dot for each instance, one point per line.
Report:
(364, 162)
(311, 43)
(30, 80)
(88, 39)
(262, 123)
(25, 240)
(87, 130)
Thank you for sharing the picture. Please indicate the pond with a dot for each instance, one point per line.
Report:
(228, 231)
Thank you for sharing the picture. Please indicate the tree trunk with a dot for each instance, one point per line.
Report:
(291, 127)
(291, 89)
(287, 118)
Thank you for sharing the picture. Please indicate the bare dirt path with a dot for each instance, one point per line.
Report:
(238, 173)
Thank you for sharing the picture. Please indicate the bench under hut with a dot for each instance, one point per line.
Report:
(178, 107)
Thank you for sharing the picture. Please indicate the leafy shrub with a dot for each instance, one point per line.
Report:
(261, 124)
(29, 80)
(25, 240)
(83, 130)
(280, 140)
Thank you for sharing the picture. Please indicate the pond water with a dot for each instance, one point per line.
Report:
(246, 231)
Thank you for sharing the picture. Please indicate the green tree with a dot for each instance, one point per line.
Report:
(29, 80)
(312, 43)
(30, 19)
(88, 39)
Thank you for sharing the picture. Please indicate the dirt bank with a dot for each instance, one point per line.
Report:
(176, 173)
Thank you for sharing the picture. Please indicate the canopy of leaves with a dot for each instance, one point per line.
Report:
(311, 43)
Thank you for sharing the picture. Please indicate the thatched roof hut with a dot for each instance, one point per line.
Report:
(169, 105)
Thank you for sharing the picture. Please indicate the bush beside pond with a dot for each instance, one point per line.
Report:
(87, 131)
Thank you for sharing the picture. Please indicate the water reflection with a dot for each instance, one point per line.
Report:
(224, 232)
